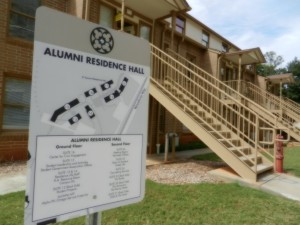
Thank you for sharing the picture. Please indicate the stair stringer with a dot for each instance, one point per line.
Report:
(230, 158)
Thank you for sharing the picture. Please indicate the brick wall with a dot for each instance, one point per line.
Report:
(16, 59)
(56, 4)
(94, 11)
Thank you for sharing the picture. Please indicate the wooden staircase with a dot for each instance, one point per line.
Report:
(283, 113)
(222, 122)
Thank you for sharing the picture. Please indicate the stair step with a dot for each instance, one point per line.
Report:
(229, 139)
(178, 95)
(250, 157)
(197, 119)
(226, 134)
(241, 151)
(193, 107)
(206, 127)
(209, 119)
(234, 141)
(174, 99)
(201, 113)
(228, 101)
(217, 127)
(220, 134)
(186, 101)
(239, 148)
(262, 168)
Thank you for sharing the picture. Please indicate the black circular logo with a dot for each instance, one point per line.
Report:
(101, 40)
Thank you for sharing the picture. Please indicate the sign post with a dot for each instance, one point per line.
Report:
(93, 219)
(88, 119)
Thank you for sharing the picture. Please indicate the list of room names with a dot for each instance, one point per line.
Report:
(81, 172)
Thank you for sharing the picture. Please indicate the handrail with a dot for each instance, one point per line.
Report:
(284, 103)
(292, 103)
(230, 90)
(211, 95)
(289, 118)
(288, 111)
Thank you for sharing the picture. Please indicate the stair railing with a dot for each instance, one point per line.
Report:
(201, 89)
(284, 103)
(290, 116)
(286, 110)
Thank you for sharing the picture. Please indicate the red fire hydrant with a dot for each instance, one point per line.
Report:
(279, 154)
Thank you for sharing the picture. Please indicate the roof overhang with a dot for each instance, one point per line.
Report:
(155, 9)
(248, 56)
(281, 78)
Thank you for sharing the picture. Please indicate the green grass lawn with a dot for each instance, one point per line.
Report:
(183, 204)
(291, 163)
(189, 204)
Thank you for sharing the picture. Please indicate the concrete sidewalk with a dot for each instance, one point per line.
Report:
(9, 183)
(278, 184)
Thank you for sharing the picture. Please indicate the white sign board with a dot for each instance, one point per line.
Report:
(88, 119)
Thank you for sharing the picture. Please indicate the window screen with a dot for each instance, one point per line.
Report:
(22, 18)
(16, 104)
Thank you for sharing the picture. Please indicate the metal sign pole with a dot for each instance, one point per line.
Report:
(93, 219)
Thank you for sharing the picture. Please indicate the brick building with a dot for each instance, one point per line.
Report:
(165, 23)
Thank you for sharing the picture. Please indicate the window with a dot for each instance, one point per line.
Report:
(16, 103)
(225, 47)
(145, 32)
(22, 18)
(106, 16)
(205, 39)
(129, 27)
(180, 24)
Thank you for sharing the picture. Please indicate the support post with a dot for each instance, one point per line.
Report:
(173, 146)
(240, 74)
(280, 105)
(256, 140)
(166, 146)
(87, 10)
(93, 219)
(122, 16)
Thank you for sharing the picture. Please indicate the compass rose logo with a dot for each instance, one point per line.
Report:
(102, 40)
